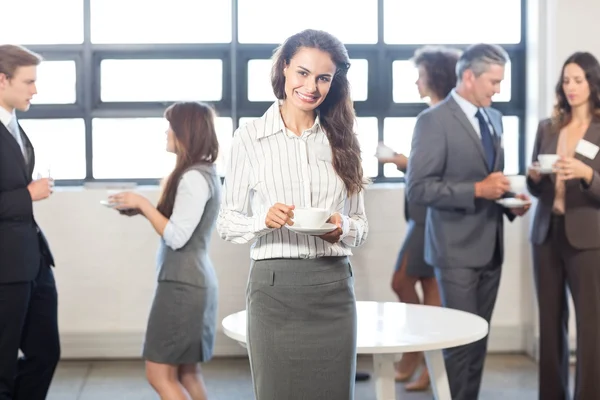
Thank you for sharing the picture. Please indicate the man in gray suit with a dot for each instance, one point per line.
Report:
(455, 168)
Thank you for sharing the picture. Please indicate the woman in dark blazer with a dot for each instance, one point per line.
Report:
(566, 231)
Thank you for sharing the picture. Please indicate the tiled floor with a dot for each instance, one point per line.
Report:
(506, 377)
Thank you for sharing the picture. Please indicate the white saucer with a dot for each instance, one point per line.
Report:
(543, 170)
(512, 202)
(108, 204)
(326, 228)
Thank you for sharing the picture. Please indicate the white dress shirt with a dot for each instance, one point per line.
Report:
(268, 165)
(192, 194)
(9, 120)
(470, 110)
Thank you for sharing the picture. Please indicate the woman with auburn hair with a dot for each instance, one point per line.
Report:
(302, 153)
(181, 327)
(437, 77)
(565, 234)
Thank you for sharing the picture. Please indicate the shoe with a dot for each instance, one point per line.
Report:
(362, 376)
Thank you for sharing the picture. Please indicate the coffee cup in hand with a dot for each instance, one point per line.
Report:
(547, 161)
(384, 152)
(308, 217)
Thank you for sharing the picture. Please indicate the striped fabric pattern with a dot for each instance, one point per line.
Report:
(269, 164)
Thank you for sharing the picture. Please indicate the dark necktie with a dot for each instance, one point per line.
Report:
(486, 140)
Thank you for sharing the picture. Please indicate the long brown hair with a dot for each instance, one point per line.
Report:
(336, 113)
(193, 124)
(562, 113)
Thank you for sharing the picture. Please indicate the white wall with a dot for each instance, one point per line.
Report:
(105, 270)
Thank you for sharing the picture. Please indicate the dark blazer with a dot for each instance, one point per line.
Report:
(22, 242)
(582, 202)
(446, 160)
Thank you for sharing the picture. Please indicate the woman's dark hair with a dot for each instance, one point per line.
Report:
(561, 114)
(193, 124)
(336, 113)
(440, 67)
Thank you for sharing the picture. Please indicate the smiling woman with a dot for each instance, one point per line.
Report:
(302, 153)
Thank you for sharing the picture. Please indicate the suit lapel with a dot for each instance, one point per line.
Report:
(15, 149)
(551, 146)
(30, 154)
(462, 118)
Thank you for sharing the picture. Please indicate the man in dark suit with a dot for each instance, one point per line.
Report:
(28, 298)
(455, 169)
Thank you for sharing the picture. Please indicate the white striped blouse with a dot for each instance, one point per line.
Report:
(268, 165)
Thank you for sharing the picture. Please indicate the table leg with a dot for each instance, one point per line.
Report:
(437, 375)
(384, 374)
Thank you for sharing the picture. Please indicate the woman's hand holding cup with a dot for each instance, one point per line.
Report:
(279, 215)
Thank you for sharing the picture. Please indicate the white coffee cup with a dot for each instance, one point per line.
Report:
(306, 217)
(516, 182)
(384, 152)
(547, 160)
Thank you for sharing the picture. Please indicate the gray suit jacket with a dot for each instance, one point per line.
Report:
(582, 213)
(446, 160)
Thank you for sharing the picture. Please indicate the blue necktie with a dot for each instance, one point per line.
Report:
(486, 140)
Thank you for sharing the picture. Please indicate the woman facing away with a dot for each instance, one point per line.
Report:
(437, 77)
(303, 152)
(181, 326)
(565, 233)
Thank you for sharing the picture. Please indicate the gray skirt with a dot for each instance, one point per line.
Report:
(302, 329)
(182, 324)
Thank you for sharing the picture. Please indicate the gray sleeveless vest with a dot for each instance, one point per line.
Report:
(191, 263)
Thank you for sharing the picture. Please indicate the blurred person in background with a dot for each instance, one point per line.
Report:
(565, 234)
(28, 297)
(456, 170)
(182, 324)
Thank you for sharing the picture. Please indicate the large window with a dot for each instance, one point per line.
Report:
(106, 81)
(175, 21)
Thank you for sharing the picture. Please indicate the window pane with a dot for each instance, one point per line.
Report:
(368, 137)
(505, 86)
(224, 127)
(129, 80)
(178, 21)
(511, 145)
(56, 83)
(397, 134)
(405, 89)
(404, 82)
(134, 148)
(59, 146)
(259, 80)
(36, 22)
(457, 22)
(351, 24)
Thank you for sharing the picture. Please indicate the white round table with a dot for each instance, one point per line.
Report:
(388, 329)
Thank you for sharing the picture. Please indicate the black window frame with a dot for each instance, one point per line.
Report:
(234, 103)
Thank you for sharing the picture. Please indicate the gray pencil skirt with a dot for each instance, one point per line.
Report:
(302, 329)
(182, 324)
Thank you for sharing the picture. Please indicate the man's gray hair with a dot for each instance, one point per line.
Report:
(479, 57)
